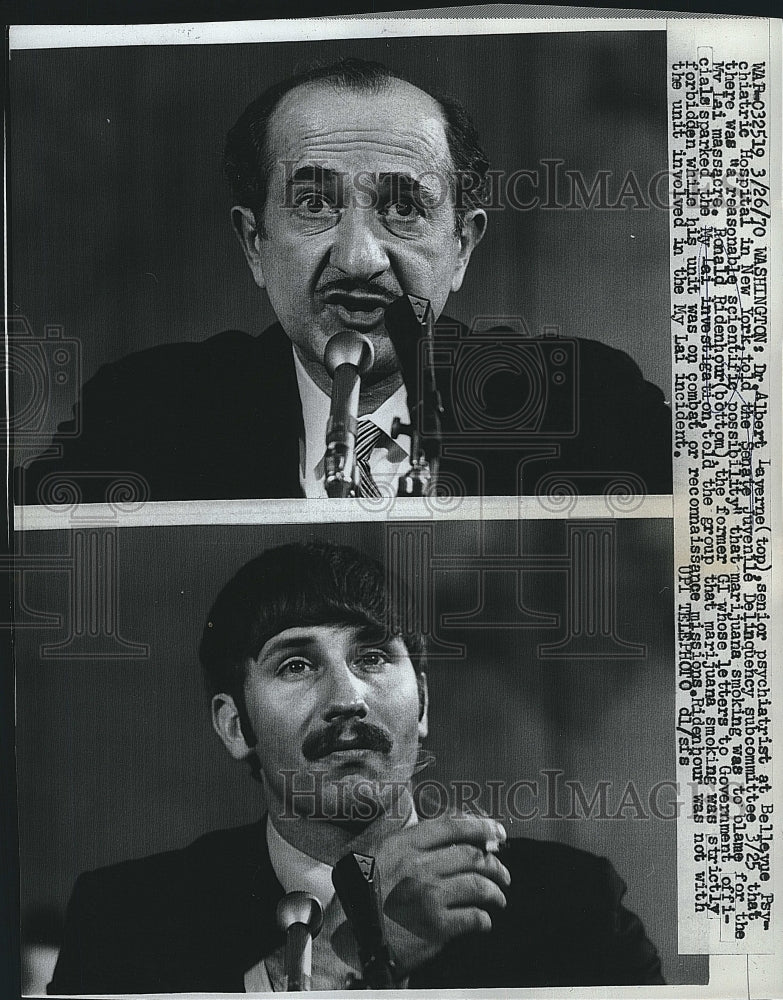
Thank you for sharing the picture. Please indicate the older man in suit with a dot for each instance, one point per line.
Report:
(317, 683)
(352, 188)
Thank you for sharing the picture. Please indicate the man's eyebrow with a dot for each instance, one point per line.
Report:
(312, 174)
(421, 189)
(375, 634)
(292, 644)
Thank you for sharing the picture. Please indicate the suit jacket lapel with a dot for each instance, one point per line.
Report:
(281, 410)
(241, 926)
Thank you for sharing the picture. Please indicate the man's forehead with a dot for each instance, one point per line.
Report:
(301, 636)
(395, 127)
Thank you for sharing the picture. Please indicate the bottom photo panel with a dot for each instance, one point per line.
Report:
(275, 757)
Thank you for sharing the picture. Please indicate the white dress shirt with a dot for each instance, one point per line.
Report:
(296, 872)
(388, 460)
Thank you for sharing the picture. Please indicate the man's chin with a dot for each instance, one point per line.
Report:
(346, 788)
(352, 774)
(361, 797)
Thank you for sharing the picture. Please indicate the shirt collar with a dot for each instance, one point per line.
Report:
(298, 872)
(315, 413)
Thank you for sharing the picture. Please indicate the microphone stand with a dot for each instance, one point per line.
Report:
(300, 916)
(410, 325)
(348, 356)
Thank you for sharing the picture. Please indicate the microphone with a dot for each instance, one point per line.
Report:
(300, 916)
(348, 356)
(355, 882)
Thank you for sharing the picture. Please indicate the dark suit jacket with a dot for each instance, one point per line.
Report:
(196, 919)
(221, 419)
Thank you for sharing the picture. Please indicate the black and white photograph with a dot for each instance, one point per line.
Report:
(452, 700)
(481, 221)
(395, 450)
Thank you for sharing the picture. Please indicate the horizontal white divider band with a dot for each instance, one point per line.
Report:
(184, 512)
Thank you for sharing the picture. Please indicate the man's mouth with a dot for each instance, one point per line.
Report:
(351, 745)
(358, 310)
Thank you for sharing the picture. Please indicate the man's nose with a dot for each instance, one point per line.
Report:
(345, 695)
(358, 249)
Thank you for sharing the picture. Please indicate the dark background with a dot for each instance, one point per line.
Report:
(119, 214)
(117, 758)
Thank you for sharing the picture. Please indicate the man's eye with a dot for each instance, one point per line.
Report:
(315, 206)
(372, 659)
(295, 667)
(403, 211)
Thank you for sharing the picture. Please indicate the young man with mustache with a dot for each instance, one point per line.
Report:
(351, 188)
(317, 683)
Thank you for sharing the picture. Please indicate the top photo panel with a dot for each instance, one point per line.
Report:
(341, 268)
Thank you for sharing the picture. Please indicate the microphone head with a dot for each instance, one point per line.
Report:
(300, 908)
(351, 348)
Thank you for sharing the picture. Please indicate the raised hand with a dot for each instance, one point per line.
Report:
(438, 881)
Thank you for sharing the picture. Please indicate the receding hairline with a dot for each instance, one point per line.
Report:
(372, 87)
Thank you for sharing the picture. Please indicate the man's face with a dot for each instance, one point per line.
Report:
(359, 211)
(333, 701)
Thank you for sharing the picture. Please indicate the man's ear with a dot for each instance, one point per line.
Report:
(473, 228)
(244, 222)
(226, 723)
(424, 704)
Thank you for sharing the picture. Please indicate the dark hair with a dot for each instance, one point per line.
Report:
(247, 163)
(295, 585)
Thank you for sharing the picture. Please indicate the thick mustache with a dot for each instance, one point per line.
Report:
(362, 736)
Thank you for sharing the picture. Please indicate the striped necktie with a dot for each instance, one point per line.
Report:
(367, 435)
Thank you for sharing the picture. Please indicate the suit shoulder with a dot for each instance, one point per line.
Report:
(154, 924)
(230, 345)
(596, 353)
(158, 873)
(602, 368)
(551, 851)
(147, 383)
(554, 870)
(611, 368)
